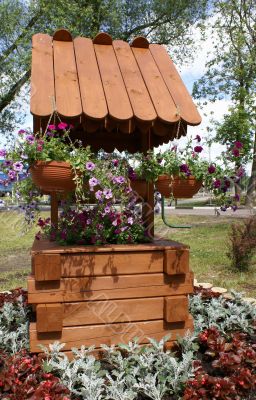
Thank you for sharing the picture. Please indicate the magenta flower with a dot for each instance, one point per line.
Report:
(89, 221)
(107, 210)
(21, 131)
(198, 149)
(238, 145)
(93, 182)
(131, 174)
(236, 197)
(236, 152)
(90, 166)
(108, 193)
(2, 153)
(217, 184)
(211, 169)
(119, 179)
(39, 147)
(18, 166)
(52, 127)
(185, 169)
(62, 125)
(11, 175)
(115, 163)
(7, 163)
(240, 172)
(174, 148)
(115, 222)
(198, 138)
(98, 194)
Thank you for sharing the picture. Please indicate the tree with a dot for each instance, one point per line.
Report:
(232, 72)
(163, 21)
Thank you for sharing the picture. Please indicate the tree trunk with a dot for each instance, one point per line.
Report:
(250, 195)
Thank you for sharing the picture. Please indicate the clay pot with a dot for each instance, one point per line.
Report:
(139, 187)
(53, 176)
(178, 187)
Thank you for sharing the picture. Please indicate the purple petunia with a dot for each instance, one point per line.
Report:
(130, 220)
(115, 222)
(2, 153)
(185, 169)
(90, 166)
(131, 174)
(119, 180)
(107, 210)
(198, 138)
(198, 149)
(236, 197)
(89, 221)
(30, 138)
(18, 166)
(240, 172)
(211, 169)
(98, 194)
(11, 175)
(236, 152)
(115, 162)
(108, 193)
(21, 132)
(93, 182)
(217, 184)
(238, 145)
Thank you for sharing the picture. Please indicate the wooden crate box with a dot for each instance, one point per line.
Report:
(90, 295)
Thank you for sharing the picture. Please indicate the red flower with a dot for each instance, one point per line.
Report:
(198, 149)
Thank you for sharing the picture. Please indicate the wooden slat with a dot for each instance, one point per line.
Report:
(45, 246)
(174, 83)
(108, 334)
(46, 267)
(83, 264)
(143, 108)
(49, 317)
(106, 312)
(68, 100)
(42, 77)
(161, 98)
(118, 102)
(92, 93)
(176, 308)
(176, 262)
(53, 292)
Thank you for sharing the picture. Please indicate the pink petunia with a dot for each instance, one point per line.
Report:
(52, 127)
(62, 125)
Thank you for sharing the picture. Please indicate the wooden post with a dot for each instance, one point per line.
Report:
(148, 204)
(54, 209)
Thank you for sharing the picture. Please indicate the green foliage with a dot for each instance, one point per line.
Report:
(161, 21)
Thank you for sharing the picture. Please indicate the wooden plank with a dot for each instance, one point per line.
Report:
(143, 108)
(68, 100)
(47, 267)
(161, 98)
(42, 77)
(83, 264)
(108, 334)
(49, 317)
(118, 102)
(181, 97)
(45, 246)
(176, 308)
(52, 292)
(176, 261)
(104, 312)
(92, 93)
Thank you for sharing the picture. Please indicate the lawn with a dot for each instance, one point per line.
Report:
(208, 239)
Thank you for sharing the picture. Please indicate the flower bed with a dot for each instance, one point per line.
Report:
(217, 362)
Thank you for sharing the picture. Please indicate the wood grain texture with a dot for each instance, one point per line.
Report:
(118, 102)
(159, 93)
(47, 267)
(176, 308)
(181, 97)
(109, 334)
(68, 100)
(80, 289)
(112, 311)
(42, 91)
(49, 317)
(92, 93)
(83, 264)
(176, 261)
(142, 106)
(45, 246)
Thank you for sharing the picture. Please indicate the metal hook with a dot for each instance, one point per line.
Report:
(164, 219)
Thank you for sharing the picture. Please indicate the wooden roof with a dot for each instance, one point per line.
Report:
(108, 86)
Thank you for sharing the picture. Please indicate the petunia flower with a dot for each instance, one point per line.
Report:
(18, 166)
(118, 179)
(115, 162)
(198, 149)
(236, 152)
(98, 194)
(185, 168)
(130, 220)
(11, 175)
(238, 145)
(217, 184)
(3, 152)
(21, 132)
(93, 182)
(30, 138)
(198, 138)
(62, 125)
(108, 193)
(52, 127)
(211, 169)
(90, 166)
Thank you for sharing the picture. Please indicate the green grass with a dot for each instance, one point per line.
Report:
(208, 240)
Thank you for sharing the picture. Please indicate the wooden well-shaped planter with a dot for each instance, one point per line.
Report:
(125, 97)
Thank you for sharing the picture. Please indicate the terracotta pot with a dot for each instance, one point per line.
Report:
(178, 187)
(139, 187)
(53, 176)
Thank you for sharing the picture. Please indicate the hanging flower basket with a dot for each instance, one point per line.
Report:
(140, 188)
(53, 176)
(178, 187)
